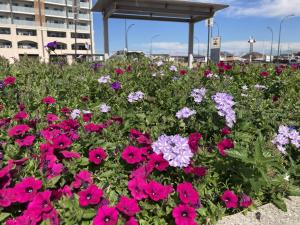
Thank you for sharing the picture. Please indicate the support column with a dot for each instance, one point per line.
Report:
(106, 38)
(191, 45)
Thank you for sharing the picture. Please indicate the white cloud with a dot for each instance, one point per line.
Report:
(235, 47)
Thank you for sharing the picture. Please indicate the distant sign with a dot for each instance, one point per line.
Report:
(209, 22)
(216, 42)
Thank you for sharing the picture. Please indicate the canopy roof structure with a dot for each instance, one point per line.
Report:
(187, 11)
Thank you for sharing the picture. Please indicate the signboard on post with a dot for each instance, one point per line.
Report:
(209, 22)
(215, 49)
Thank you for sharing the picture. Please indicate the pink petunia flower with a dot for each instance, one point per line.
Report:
(49, 100)
(184, 215)
(5, 201)
(51, 118)
(188, 194)
(21, 220)
(20, 116)
(10, 80)
(157, 191)
(223, 145)
(106, 216)
(93, 128)
(264, 74)
(158, 162)
(245, 201)
(5, 177)
(70, 155)
(82, 179)
(128, 206)
(141, 172)
(194, 140)
(225, 131)
(119, 71)
(27, 189)
(90, 196)
(18, 130)
(97, 155)
(137, 188)
(86, 117)
(230, 199)
(131, 221)
(62, 142)
(132, 155)
(26, 141)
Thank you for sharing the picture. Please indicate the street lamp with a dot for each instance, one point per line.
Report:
(126, 34)
(271, 30)
(154, 36)
(218, 28)
(279, 39)
(198, 45)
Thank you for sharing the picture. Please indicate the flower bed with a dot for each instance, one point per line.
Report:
(142, 142)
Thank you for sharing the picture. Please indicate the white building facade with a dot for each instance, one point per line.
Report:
(26, 26)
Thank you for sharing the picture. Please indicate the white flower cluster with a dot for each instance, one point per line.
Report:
(104, 79)
(185, 113)
(104, 108)
(285, 136)
(175, 150)
(198, 94)
(135, 96)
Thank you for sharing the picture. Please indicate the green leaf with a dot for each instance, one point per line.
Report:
(294, 190)
(3, 216)
(89, 214)
(280, 204)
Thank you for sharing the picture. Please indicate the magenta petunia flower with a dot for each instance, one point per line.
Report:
(86, 117)
(48, 100)
(27, 189)
(40, 204)
(245, 201)
(20, 116)
(194, 140)
(5, 201)
(51, 118)
(184, 215)
(137, 188)
(97, 155)
(21, 220)
(10, 80)
(188, 194)
(82, 179)
(90, 196)
(225, 131)
(132, 155)
(18, 130)
(119, 71)
(200, 171)
(54, 169)
(94, 128)
(26, 141)
(264, 74)
(158, 162)
(230, 199)
(5, 177)
(62, 142)
(128, 206)
(157, 191)
(106, 216)
(131, 221)
(141, 172)
(70, 155)
(223, 145)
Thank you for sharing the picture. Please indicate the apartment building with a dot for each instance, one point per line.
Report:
(26, 26)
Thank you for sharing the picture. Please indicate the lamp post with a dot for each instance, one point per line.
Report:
(218, 28)
(279, 39)
(126, 34)
(154, 36)
(271, 30)
(198, 45)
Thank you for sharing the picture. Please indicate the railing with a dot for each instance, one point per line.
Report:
(83, 16)
(22, 9)
(4, 7)
(81, 4)
(56, 25)
(24, 22)
(55, 12)
(79, 27)
(5, 46)
(62, 2)
(5, 20)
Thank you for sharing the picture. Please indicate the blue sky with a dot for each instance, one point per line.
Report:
(244, 18)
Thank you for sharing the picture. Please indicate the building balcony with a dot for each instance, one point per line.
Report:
(81, 4)
(58, 2)
(24, 22)
(4, 7)
(5, 20)
(23, 9)
(56, 25)
(55, 13)
(80, 16)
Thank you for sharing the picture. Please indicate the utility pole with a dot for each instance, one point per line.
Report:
(75, 12)
(279, 39)
(271, 30)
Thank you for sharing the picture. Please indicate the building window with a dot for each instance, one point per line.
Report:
(4, 30)
(5, 44)
(56, 34)
(27, 45)
(81, 35)
(80, 46)
(26, 32)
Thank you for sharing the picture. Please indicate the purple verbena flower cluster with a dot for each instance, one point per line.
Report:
(285, 136)
(198, 94)
(185, 113)
(175, 150)
(135, 96)
(224, 103)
